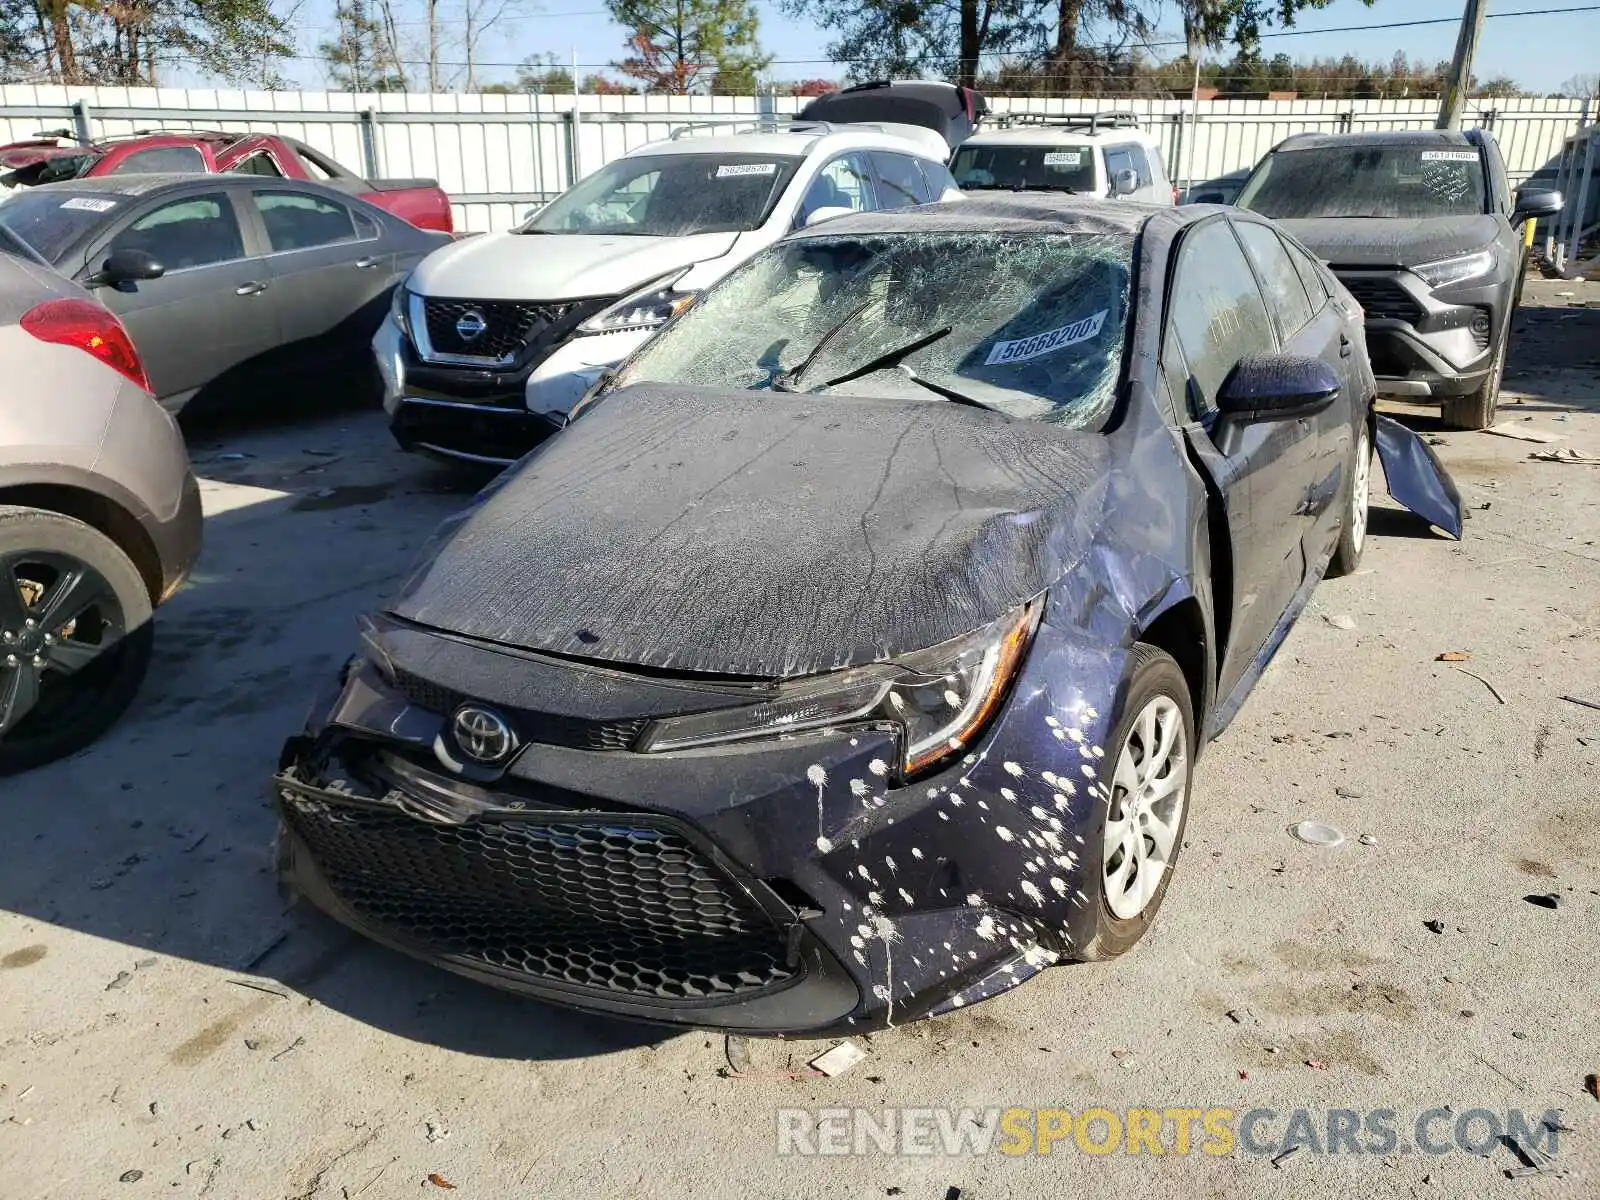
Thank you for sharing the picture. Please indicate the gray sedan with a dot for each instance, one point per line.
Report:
(228, 285)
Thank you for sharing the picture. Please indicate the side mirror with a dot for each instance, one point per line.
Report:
(827, 213)
(126, 266)
(1276, 387)
(1533, 203)
(1124, 182)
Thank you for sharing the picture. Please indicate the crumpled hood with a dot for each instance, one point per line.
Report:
(558, 266)
(1391, 242)
(764, 534)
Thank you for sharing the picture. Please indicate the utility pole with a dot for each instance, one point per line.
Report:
(1460, 77)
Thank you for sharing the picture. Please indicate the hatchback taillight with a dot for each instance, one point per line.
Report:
(90, 327)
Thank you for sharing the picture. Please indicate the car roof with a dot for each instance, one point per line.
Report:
(135, 185)
(1018, 212)
(795, 141)
(1376, 137)
(1047, 135)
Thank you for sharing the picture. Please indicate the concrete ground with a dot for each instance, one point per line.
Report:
(166, 1029)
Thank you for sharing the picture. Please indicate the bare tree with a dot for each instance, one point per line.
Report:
(478, 18)
(1581, 86)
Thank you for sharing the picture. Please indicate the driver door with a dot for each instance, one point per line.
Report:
(1263, 469)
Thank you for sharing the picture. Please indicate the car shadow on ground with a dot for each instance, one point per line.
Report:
(158, 839)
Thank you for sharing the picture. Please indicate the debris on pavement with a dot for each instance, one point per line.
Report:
(436, 1132)
(1592, 1082)
(1366, 839)
(1567, 455)
(1545, 899)
(439, 1181)
(1493, 691)
(1454, 656)
(1594, 704)
(1523, 434)
(839, 1059)
(260, 987)
(132, 1176)
(1340, 621)
(1347, 793)
(289, 1049)
(1120, 1054)
(1315, 833)
(1434, 926)
(1316, 1064)
(1242, 1016)
(737, 1051)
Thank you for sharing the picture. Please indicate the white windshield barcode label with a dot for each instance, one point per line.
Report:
(1063, 158)
(734, 170)
(1449, 156)
(1047, 342)
(88, 204)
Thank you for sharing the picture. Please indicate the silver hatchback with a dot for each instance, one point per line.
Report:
(99, 514)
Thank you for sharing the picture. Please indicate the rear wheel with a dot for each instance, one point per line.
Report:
(1353, 526)
(75, 636)
(1145, 810)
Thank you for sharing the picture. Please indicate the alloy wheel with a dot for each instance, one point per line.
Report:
(1148, 791)
(1360, 489)
(57, 616)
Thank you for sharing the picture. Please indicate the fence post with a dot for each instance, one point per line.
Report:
(1176, 121)
(1347, 121)
(80, 122)
(766, 104)
(1486, 119)
(371, 159)
(571, 124)
(1575, 248)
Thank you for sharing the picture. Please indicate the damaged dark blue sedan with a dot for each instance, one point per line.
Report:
(847, 659)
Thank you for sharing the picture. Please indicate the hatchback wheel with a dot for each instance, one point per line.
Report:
(75, 636)
(1353, 522)
(1145, 810)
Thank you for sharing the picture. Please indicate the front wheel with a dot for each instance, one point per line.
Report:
(75, 636)
(1477, 411)
(1353, 525)
(1145, 810)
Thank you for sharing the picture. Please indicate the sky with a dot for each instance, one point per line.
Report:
(1539, 52)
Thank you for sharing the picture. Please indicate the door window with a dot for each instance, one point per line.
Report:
(300, 221)
(1316, 286)
(1285, 294)
(184, 160)
(899, 179)
(196, 231)
(844, 183)
(1217, 312)
(259, 163)
(1128, 158)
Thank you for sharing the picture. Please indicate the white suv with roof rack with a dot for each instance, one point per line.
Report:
(494, 338)
(1088, 154)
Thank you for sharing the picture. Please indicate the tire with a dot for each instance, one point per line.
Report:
(1154, 679)
(1477, 410)
(73, 709)
(1353, 522)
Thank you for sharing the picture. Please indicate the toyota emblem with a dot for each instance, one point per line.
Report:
(482, 735)
(470, 325)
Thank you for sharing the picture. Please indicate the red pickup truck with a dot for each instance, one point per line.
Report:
(50, 158)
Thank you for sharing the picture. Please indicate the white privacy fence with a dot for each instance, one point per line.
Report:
(499, 156)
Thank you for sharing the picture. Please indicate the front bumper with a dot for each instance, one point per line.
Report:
(588, 875)
(491, 416)
(1422, 343)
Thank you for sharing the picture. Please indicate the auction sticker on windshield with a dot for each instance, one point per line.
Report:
(1047, 342)
(1449, 156)
(88, 204)
(1063, 158)
(733, 170)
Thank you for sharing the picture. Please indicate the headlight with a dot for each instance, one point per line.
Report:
(939, 699)
(397, 308)
(651, 307)
(1453, 270)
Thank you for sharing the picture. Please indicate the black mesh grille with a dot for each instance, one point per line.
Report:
(507, 325)
(614, 907)
(1382, 298)
(548, 728)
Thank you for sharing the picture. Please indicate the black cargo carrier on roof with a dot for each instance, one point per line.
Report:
(951, 112)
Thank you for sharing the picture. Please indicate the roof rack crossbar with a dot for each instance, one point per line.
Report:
(1090, 121)
(779, 125)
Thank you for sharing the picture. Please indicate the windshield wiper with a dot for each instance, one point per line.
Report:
(891, 358)
(788, 381)
(950, 394)
(1019, 187)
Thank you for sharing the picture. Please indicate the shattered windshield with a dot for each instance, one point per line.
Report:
(1411, 181)
(1027, 324)
(670, 195)
(1057, 168)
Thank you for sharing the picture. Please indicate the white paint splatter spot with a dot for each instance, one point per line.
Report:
(986, 928)
(875, 897)
(1058, 885)
(975, 900)
(983, 806)
(858, 787)
(1013, 769)
(878, 767)
(1032, 892)
(1087, 770)
(862, 871)
(889, 862)
(816, 775)
(857, 941)
(1075, 734)
(1097, 751)
(1052, 721)
(824, 845)
(1008, 795)
(1039, 814)
(943, 816)
(1002, 833)
(957, 1002)
(952, 699)
(905, 895)
(916, 854)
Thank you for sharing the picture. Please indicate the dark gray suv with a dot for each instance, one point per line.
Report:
(1423, 229)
